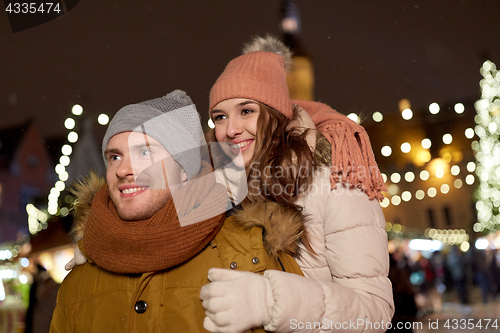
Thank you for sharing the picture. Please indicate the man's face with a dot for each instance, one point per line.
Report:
(138, 166)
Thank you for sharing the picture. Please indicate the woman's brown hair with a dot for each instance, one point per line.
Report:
(282, 165)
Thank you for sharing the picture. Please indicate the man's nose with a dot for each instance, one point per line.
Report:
(125, 169)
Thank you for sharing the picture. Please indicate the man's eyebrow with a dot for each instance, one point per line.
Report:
(146, 145)
(111, 150)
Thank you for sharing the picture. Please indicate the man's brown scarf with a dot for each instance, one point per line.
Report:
(158, 242)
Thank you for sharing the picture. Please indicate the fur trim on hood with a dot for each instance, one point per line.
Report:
(84, 191)
(284, 227)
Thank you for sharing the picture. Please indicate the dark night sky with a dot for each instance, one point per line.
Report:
(367, 54)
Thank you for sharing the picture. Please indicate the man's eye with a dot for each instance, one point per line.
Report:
(145, 152)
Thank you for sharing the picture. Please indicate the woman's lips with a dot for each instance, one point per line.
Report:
(241, 146)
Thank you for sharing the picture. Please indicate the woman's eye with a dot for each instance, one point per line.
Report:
(114, 158)
(145, 152)
(247, 111)
(218, 117)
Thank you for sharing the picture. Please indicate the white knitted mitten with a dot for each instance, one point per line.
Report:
(236, 301)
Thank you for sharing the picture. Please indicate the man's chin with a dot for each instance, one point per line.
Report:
(127, 215)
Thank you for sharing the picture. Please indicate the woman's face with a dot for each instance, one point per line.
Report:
(235, 127)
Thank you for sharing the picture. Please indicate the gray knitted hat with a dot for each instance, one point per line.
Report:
(172, 120)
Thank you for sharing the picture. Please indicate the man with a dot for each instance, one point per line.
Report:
(157, 225)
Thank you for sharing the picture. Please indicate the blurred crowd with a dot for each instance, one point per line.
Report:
(420, 280)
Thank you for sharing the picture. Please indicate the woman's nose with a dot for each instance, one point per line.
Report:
(234, 127)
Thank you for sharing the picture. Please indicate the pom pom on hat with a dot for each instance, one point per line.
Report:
(259, 74)
(270, 44)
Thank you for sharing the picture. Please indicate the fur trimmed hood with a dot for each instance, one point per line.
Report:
(283, 227)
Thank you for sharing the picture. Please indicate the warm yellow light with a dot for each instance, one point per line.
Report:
(393, 189)
(396, 200)
(426, 143)
(60, 169)
(469, 133)
(77, 110)
(63, 176)
(385, 203)
(459, 108)
(377, 117)
(469, 180)
(447, 138)
(409, 176)
(72, 137)
(405, 147)
(211, 123)
(434, 108)
(384, 177)
(60, 185)
(395, 177)
(406, 196)
(354, 117)
(465, 246)
(66, 150)
(457, 156)
(431, 192)
(445, 188)
(457, 183)
(439, 173)
(69, 123)
(455, 170)
(424, 174)
(419, 194)
(386, 151)
(407, 114)
(471, 166)
(103, 119)
(447, 157)
(64, 160)
(422, 158)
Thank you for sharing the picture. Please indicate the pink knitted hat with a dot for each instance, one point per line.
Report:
(258, 74)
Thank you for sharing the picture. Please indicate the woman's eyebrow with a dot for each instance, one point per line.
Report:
(247, 102)
(214, 111)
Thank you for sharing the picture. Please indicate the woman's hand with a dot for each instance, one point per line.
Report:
(78, 259)
(236, 301)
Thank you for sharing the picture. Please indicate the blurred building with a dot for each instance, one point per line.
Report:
(427, 160)
(26, 174)
(35, 175)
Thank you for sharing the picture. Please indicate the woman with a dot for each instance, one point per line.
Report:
(346, 285)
